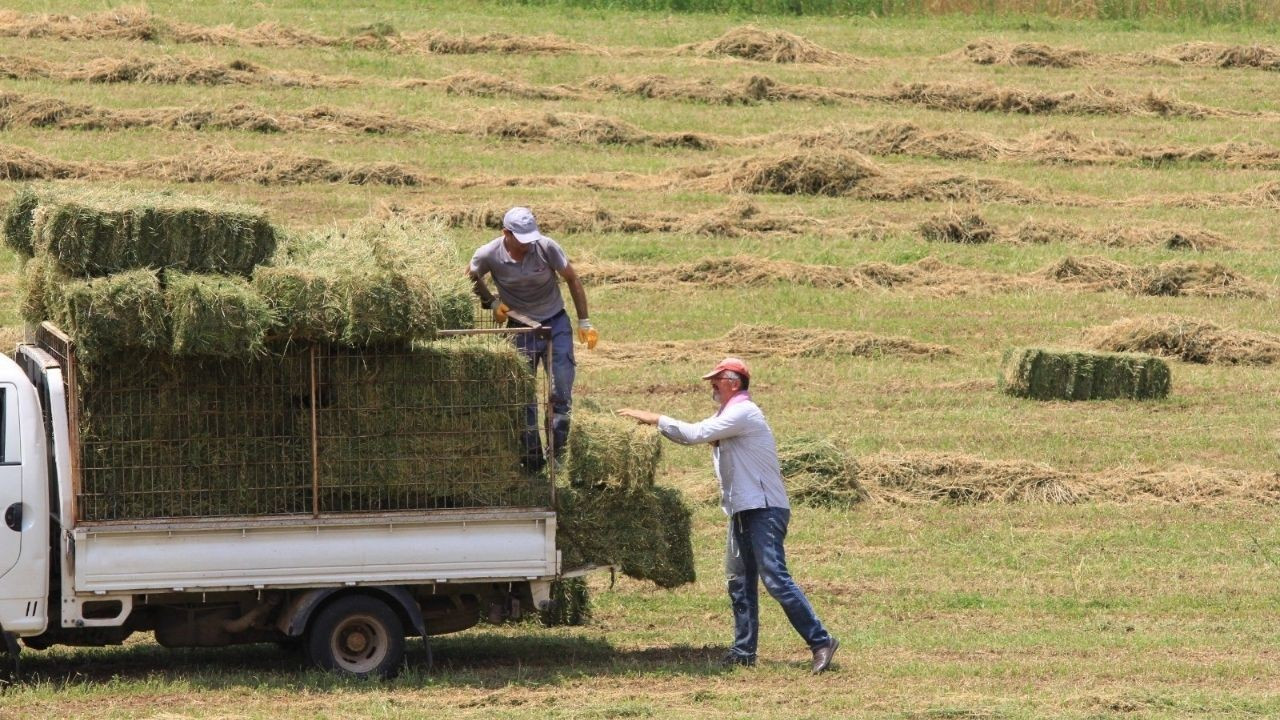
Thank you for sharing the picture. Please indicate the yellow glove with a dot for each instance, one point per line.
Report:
(587, 334)
(500, 312)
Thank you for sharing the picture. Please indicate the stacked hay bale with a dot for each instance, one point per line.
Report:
(1069, 375)
(193, 330)
(612, 512)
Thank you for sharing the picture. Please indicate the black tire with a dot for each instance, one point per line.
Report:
(357, 635)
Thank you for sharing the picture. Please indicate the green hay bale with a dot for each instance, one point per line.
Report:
(39, 280)
(99, 231)
(817, 472)
(1067, 375)
(646, 531)
(216, 315)
(108, 314)
(377, 283)
(608, 451)
(18, 216)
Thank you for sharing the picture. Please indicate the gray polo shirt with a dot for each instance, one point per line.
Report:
(529, 286)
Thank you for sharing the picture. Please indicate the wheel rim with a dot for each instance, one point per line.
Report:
(359, 644)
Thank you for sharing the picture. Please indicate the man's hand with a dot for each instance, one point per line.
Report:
(500, 311)
(642, 416)
(587, 334)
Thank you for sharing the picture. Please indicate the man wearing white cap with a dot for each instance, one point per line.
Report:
(524, 264)
(745, 457)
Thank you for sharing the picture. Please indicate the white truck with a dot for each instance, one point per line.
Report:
(348, 587)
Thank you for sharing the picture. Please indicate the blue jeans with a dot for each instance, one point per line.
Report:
(755, 553)
(563, 368)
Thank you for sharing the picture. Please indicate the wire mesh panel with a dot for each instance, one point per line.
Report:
(441, 426)
(166, 438)
(314, 430)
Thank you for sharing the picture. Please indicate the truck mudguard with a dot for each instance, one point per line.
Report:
(293, 622)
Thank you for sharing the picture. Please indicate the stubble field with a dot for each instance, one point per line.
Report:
(872, 216)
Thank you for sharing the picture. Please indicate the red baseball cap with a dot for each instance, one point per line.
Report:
(729, 363)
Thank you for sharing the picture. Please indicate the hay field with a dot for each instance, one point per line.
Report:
(873, 211)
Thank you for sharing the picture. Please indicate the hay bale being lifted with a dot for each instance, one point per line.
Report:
(610, 452)
(1069, 375)
(378, 283)
(92, 232)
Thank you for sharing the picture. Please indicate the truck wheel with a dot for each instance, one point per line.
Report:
(357, 635)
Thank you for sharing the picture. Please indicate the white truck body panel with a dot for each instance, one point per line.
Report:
(24, 569)
(436, 548)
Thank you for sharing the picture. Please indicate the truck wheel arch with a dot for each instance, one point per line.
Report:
(295, 618)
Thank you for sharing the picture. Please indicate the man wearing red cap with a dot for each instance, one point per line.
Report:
(524, 264)
(745, 456)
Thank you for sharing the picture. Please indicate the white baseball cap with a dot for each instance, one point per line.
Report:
(519, 220)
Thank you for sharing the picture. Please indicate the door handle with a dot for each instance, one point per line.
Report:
(13, 517)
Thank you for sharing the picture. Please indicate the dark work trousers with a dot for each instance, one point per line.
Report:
(563, 369)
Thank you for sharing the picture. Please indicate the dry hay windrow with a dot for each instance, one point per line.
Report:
(478, 84)
(1187, 339)
(1204, 54)
(167, 70)
(951, 97)
(752, 43)
(1173, 278)
(735, 219)
(927, 276)
(583, 128)
(916, 477)
(748, 91)
(207, 165)
(965, 225)
(1264, 195)
(136, 23)
(766, 341)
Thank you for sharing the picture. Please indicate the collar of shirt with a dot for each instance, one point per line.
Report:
(740, 396)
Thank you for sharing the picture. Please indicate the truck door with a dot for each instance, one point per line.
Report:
(10, 479)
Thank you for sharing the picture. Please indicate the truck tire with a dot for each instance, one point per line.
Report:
(357, 635)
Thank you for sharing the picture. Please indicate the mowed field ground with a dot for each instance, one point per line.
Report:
(718, 204)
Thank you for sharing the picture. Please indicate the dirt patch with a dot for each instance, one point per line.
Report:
(1187, 339)
(752, 43)
(767, 341)
(952, 97)
(1176, 277)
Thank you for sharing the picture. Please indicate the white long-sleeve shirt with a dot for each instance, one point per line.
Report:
(745, 456)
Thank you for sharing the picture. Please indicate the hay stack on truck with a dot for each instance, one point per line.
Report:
(222, 441)
(349, 585)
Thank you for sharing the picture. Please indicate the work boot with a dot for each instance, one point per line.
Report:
(732, 659)
(822, 655)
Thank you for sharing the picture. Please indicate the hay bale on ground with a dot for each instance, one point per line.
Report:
(1043, 374)
(817, 472)
(952, 226)
(378, 283)
(216, 315)
(1188, 339)
(98, 231)
(611, 452)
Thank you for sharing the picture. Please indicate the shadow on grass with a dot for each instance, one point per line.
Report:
(473, 659)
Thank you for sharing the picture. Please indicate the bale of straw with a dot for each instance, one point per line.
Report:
(18, 216)
(646, 531)
(99, 231)
(377, 283)
(1188, 339)
(1043, 374)
(216, 315)
(106, 315)
(609, 452)
(818, 472)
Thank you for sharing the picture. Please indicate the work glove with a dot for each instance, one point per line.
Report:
(587, 334)
(500, 311)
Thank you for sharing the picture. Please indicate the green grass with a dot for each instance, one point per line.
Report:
(1012, 611)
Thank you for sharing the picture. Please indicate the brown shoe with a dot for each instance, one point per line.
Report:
(822, 655)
